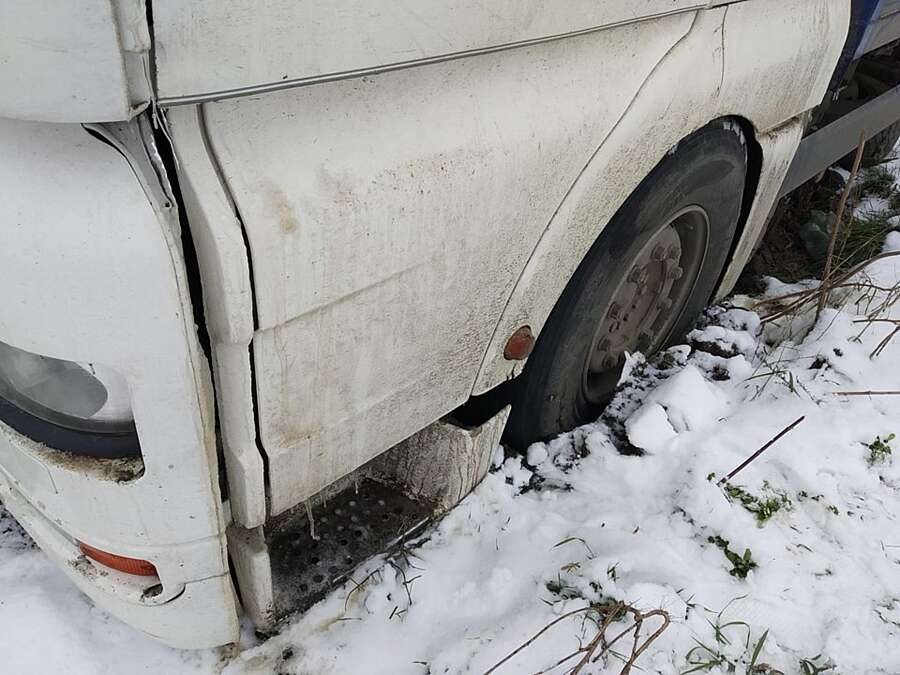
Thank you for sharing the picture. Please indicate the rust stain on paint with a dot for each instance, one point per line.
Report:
(279, 207)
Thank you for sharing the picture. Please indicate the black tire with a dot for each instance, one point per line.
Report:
(708, 171)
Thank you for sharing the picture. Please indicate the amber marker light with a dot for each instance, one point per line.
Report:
(140, 568)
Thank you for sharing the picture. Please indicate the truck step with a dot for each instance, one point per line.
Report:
(361, 521)
(288, 564)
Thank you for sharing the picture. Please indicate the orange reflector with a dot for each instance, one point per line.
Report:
(140, 568)
(519, 345)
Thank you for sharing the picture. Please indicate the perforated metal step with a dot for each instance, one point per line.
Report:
(353, 525)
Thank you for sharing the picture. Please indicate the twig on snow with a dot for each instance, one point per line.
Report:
(599, 645)
(768, 445)
(884, 342)
(868, 392)
(800, 298)
(842, 204)
(358, 587)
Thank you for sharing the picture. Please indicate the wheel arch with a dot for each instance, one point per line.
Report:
(716, 71)
(751, 186)
(558, 254)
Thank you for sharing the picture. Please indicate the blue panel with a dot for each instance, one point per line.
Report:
(862, 14)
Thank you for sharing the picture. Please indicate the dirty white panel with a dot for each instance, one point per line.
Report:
(802, 41)
(720, 69)
(92, 272)
(89, 275)
(65, 61)
(778, 149)
(443, 462)
(388, 219)
(209, 46)
(224, 264)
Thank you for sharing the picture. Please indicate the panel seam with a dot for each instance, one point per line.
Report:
(293, 83)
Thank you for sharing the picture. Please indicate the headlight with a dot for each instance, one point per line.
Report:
(49, 396)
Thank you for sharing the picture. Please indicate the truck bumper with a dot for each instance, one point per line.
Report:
(93, 272)
(200, 615)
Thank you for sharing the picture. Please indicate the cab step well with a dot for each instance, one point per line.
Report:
(361, 521)
(296, 558)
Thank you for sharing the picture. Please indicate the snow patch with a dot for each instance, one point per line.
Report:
(537, 454)
(690, 402)
(649, 428)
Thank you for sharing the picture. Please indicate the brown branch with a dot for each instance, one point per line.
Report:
(635, 653)
(599, 645)
(845, 194)
(808, 295)
(611, 616)
(884, 343)
(756, 454)
(861, 266)
(534, 637)
(868, 392)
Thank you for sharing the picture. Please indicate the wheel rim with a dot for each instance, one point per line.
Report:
(648, 301)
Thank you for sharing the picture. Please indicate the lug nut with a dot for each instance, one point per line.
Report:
(659, 253)
(676, 273)
(638, 276)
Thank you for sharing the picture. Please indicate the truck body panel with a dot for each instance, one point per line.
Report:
(212, 50)
(95, 275)
(85, 61)
(697, 82)
(224, 264)
(368, 228)
(375, 197)
(393, 220)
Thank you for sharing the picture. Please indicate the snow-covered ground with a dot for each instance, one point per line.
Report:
(812, 527)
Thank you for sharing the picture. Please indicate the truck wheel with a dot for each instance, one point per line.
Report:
(640, 286)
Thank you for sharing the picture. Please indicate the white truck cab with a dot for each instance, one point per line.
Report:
(276, 277)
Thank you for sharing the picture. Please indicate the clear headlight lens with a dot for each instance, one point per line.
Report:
(81, 396)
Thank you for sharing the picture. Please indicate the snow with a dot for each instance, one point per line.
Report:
(587, 517)
(536, 454)
(649, 428)
(689, 401)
